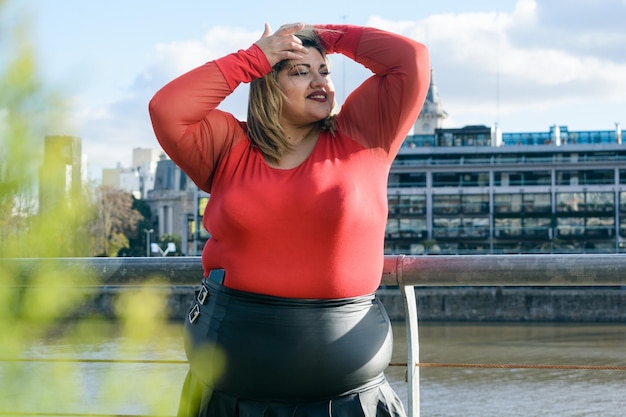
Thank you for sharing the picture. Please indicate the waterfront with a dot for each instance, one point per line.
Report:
(127, 388)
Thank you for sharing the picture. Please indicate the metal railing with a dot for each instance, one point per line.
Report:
(404, 271)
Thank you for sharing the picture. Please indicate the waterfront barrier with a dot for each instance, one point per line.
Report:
(405, 272)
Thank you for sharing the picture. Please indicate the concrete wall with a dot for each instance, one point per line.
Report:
(513, 304)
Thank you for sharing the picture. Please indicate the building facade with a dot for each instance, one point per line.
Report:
(174, 203)
(137, 179)
(539, 192)
(62, 171)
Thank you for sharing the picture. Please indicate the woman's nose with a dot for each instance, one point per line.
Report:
(319, 80)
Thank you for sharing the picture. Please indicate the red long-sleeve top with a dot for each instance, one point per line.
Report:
(317, 230)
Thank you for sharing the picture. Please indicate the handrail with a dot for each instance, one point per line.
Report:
(418, 270)
(402, 270)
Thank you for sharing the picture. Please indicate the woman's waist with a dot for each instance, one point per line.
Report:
(302, 283)
(234, 297)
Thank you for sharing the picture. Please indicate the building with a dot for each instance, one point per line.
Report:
(137, 179)
(432, 115)
(61, 173)
(174, 201)
(540, 192)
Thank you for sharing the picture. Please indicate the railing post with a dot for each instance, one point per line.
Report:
(412, 341)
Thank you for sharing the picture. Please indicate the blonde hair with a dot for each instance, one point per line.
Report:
(265, 106)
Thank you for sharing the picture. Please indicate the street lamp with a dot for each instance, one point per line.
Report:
(147, 232)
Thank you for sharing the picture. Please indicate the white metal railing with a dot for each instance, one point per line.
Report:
(405, 271)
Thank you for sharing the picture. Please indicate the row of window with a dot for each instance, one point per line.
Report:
(505, 228)
(504, 204)
(473, 248)
(501, 158)
(507, 178)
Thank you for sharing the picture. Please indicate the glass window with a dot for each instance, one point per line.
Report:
(585, 177)
(475, 203)
(570, 202)
(597, 201)
(507, 228)
(537, 203)
(476, 228)
(537, 178)
(537, 227)
(567, 178)
(506, 179)
(507, 203)
(599, 227)
(446, 203)
(596, 177)
(202, 202)
(407, 203)
(460, 179)
(570, 227)
(406, 228)
(475, 179)
(622, 228)
(446, 227)
(413, 228)
(414, 179)
(622, 201)
(521, 178)
(446, 179)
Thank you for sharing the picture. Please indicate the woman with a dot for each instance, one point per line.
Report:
(286, 321)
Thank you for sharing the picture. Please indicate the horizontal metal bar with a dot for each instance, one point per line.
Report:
(511, 270)
(435, 270)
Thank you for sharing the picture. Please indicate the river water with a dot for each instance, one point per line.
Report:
(97, 386)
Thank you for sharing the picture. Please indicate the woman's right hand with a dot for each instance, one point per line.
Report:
(282, 44)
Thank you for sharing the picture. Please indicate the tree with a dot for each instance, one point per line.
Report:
(137, 243)
(115, 221)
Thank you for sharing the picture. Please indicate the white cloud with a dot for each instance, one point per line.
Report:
(484, 67)
(526, 66)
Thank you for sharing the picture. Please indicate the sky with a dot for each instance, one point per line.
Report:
(523, 65)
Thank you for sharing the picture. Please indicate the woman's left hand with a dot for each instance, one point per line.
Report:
(283, 44)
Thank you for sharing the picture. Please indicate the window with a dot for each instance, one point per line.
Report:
(461, 179)
(585, 177)
(570, 227)
(446, 204)
(507, 203)
(507, 228)
(475, 203)
(414, 228)
(537, 203)
(522, 178)
(417, 179)
(570, 202)
(590, 202)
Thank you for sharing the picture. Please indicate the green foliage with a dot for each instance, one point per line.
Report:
(137, 242)
(41, 300)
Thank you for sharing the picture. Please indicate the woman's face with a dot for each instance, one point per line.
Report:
(309, 92)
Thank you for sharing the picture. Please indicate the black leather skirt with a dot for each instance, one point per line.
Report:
(256, 355)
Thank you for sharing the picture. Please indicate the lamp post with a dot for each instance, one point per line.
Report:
(147, 232)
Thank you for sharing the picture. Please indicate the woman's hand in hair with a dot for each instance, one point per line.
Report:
(282, 44)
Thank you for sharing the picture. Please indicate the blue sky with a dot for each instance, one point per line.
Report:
(523, 64)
